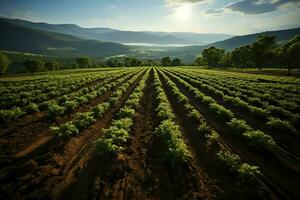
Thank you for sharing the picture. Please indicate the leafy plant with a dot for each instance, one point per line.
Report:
(83, 120)
(221, 112)
(259, 140)
(281, 126)
(126, 112)
(54, 110)
(66, 130)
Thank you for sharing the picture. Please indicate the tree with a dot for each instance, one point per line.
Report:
(34, 65)
(291, 53)
(241, 57)
(200, 61)
(176, 62)
(84, 62)
(4, 63)
(226, 60)
(52, 65)
(166, 61)
(261, 50)
(213, 55)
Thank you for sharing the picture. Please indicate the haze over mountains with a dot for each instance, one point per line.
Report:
(72, 40)
(113, 35)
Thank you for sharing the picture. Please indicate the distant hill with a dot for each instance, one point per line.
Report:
(113, 35)
(191, 52)
(23, 39)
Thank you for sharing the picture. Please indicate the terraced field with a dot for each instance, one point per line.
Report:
(150, 133)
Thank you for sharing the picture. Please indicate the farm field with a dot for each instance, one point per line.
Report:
(149, 133)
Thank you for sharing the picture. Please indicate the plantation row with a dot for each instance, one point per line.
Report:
(56, 102)
(150, 133)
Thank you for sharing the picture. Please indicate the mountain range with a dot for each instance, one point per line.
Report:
(69, 40)
(118, 36)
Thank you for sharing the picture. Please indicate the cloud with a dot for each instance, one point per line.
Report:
(252, 6)
(23, 14)
(172, 2)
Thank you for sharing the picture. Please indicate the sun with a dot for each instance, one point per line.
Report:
(183, 12)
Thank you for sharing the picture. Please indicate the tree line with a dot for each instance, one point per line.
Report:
(264, 52)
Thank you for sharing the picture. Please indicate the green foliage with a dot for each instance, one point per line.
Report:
(52, 65)
(259, 140)
(54, 110)
(258, 112)
(247, 171)
(231, 160)
(213, 56)
(126, 112)
(70, 105)
(100, 109)
(32, 108)
(124, 123)
(281, 126)
(8, 115)
(221, 112)
(176, 62)
(105, 147)
(66, 130)
(84, 62)
(83, 120)
(166, 61)
(4, 63)
(238, 126)
(119, 135)
(176, 149)
(34, 65)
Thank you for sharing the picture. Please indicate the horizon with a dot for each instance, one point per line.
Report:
(196, 16)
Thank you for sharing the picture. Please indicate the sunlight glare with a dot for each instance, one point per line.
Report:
(183, 12)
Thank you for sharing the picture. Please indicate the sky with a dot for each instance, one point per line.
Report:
(235, 17)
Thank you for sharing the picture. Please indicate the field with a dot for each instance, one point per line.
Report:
(149, 133)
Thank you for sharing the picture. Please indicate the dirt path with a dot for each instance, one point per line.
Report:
(196, 177)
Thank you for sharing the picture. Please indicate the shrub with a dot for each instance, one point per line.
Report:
(231, 160)
(176, 148)
(100, 109)
(207, 100)
(281, 126)
(32, 108)
(70, 105)
(124, 123)
(212, 138)
(235, 102)
(126, 112)
(65, 130)
(83, 120)
(118, 135)
(105, 147)
(238, 126)
(8, 115)
(259, 140)
(259, 112)
(247, 171)
(194, 114)
(164, 112)
(203, 128)
(221, 112)
(82, 99)
(54, 111)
